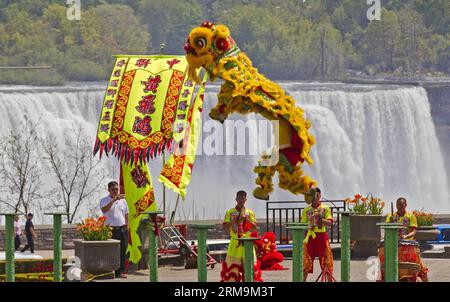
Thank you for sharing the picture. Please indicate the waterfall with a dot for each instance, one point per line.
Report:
(381, 141)
(369, 139)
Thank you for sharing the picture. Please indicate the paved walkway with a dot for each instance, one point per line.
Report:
(361, 271)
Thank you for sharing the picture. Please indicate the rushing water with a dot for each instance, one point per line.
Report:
(370, 139)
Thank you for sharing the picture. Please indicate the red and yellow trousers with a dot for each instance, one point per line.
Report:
(320, 247)
(233, 266)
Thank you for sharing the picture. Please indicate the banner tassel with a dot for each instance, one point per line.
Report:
(96, 146)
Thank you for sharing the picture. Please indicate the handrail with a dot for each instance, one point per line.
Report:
(276, 215)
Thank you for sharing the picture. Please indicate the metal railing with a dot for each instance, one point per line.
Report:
(278, 213)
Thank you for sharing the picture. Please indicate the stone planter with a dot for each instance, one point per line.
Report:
(424, 234)
(366, 234)
(98, 257)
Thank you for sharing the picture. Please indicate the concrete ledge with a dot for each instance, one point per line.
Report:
(437, 253)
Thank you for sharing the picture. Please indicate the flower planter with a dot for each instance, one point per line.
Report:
(98, 256)
(424, 234)
(366, 234)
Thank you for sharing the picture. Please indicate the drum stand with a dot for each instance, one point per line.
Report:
(325, 276)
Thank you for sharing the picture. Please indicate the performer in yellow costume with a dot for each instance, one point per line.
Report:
(409, 221)
(240, 222)
(245, 90)
(318, 217)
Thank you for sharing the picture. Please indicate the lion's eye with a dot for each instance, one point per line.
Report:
(200, 42)
(222, 44)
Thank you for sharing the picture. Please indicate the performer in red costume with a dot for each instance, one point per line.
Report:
(266, 252)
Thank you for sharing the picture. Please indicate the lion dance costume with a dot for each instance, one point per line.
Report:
(266, 252)
(316, 242)
(233, 266)
(245, 90)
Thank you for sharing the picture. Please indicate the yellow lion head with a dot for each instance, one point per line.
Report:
(205, 46)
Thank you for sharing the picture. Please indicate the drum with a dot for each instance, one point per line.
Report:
(408, 258)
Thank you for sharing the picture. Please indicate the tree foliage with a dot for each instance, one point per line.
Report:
(287, 39)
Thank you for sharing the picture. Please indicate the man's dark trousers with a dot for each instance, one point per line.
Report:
(16, 242)
(30, 244)
(121, 233)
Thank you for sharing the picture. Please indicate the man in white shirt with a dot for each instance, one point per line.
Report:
(115, 209)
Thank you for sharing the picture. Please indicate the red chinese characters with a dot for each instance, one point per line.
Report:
(107, 116)
(117, 73)
(104, 127)
(112, 92)
(182, 106)
(142, 63)
(147, 104)
(139, 177)
(142, 125)
(173, 62)
(151, 84)
(109, 104)
(186, 93)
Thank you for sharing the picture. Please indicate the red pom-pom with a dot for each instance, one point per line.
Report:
(207, 24)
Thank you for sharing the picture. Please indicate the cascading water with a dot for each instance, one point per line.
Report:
(378, 140)
(370, 139)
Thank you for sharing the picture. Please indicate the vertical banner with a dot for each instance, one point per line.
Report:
(140, 198)
(176, 173)
(149, 103)
(145, 107)
(109, 104)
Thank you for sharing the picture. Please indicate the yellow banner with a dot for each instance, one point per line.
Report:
(176, 173)
(140, 198)
(146, 107)
(109, 102)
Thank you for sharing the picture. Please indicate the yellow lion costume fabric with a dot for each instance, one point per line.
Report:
(245, 90)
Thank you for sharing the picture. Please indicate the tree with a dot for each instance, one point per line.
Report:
(382, 41)
(19, 169)
(413, 46)
(330, 48)
(435, 14)
(169, 22)
(77, 172)
(103, 31)
(412, 34)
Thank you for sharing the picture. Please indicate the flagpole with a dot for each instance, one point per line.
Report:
(162, 45)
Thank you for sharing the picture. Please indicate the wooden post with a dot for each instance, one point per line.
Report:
(202, 230)
(57, 245)
(391, 250)
(345, 246)
(9, 247)
(153, 246)
(298, 235)
(248, 258)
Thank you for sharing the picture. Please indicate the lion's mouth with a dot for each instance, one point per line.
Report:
(189, 49)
